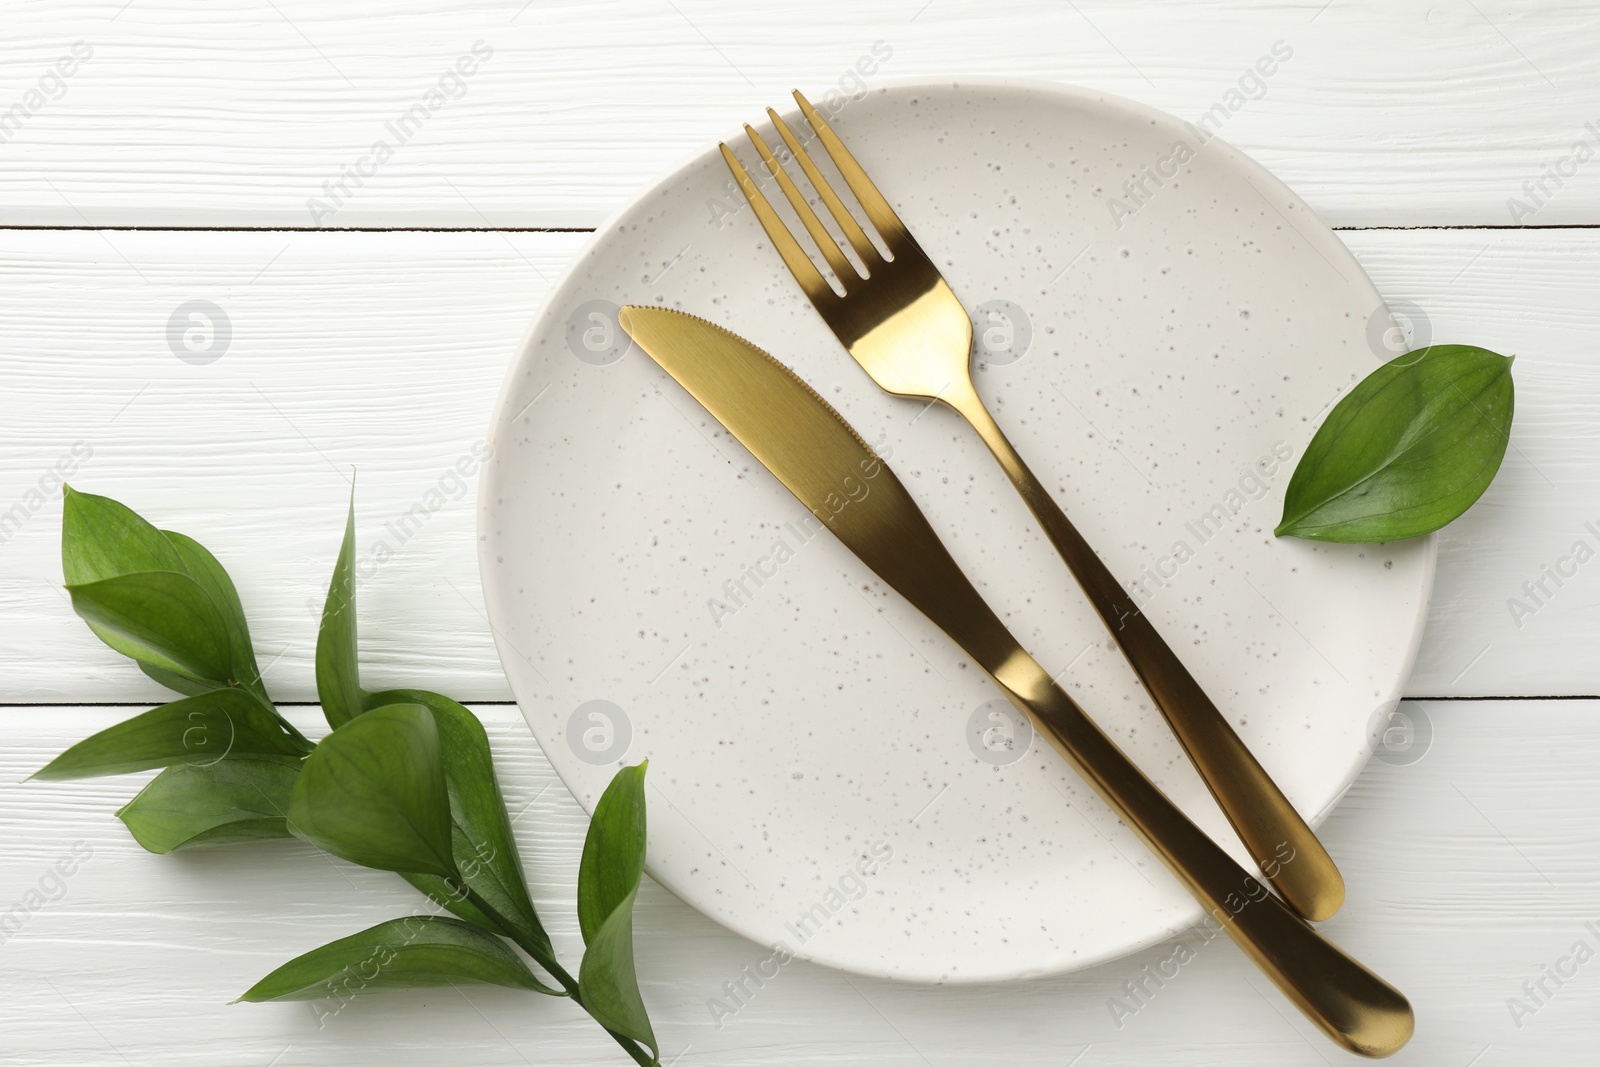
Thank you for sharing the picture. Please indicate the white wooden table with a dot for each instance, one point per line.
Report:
(184, 158)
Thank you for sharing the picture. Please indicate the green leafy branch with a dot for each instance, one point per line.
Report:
(405, 782)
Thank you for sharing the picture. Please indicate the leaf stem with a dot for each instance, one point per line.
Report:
(507, 928)
(558, 972)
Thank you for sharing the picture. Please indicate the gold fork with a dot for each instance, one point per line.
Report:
(898, 317)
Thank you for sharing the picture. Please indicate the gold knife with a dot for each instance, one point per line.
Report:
(800, 438)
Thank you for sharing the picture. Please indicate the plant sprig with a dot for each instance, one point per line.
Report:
(405, 782)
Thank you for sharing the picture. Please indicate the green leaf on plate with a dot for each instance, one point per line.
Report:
(163, 618)
(212, 804)
(608, 882)
(411, 953)
(483, 847)
(373, 792)
(1409, 449)
(220, 724)
(338, 680)
(204, 568)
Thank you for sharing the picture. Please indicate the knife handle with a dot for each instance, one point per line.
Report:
(1354, 1007)
(1260, 814)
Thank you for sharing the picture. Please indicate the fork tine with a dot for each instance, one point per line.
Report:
(819, 233)
(877, 208)
(794, 257)
(841, 214)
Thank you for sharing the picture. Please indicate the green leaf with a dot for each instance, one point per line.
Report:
(212, 804)
(162, 618)
(221, 724)
(178, 683)
(204, 568)
(374, 793)
(338, 680)
(608, 882)
(411, 953)
(1409, 449)
(483, 847)
(101, 539)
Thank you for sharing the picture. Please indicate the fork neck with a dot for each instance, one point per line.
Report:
(963, 397)
(1091, 573)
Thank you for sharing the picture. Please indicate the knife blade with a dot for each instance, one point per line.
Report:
(809, 447)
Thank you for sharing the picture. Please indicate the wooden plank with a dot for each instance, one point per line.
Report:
(379, 354)
(1470, 870)
(226, 115)
(383, 353)
(1487, 633)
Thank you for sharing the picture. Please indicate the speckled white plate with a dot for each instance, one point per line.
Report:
(1160, 330)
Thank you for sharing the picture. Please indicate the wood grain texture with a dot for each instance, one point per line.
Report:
(1469, 871)
(237, 114)
(382, 353)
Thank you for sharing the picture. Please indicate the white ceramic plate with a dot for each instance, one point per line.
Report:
(828, 773)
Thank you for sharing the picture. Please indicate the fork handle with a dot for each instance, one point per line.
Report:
(1356, 1008)
(1274, 834)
